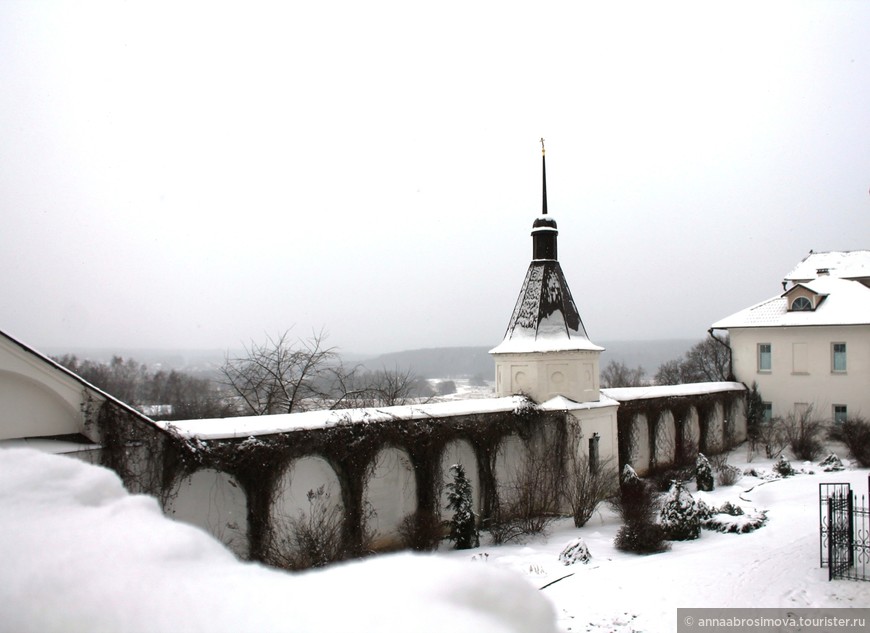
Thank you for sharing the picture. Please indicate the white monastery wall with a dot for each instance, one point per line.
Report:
(214, 501)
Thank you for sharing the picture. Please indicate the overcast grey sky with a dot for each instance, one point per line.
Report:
(200, 174)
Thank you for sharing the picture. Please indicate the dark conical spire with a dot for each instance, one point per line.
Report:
(544, 165)
(544, 230)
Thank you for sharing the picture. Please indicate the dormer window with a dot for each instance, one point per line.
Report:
(801, 304)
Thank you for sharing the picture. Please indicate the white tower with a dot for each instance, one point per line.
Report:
(545, 351)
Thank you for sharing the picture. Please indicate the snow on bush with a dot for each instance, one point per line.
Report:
(87, 556)
(679, 515)
(574, 552)
(703, 474)
(783, 467)
(831, 463)
(736, 523)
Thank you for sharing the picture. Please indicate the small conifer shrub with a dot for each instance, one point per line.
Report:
(783, 467)
(463, 524)
(575, 552)
(680, 517)
(637, 505)
(703, 474)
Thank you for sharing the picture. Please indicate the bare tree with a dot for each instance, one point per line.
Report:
(706, 361)
(281, 375)
(358, 387)
(618, 374)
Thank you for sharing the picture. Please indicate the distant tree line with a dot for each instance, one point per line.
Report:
(707, 361)
(178, 395)
(280, 375)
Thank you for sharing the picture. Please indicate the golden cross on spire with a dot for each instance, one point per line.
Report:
(543, 151)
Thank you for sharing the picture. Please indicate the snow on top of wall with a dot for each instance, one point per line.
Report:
(844, 264)
(626, 394)
(561, 403)
(845, 303)
(247, 426)
(81, 554)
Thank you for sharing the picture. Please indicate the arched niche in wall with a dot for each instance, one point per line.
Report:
(307, 499)
(214, 501)
(640, 445)
(390, 497)
(715, 429)
(510, 461)
(458, 452)
(32, 409)
(691, 434)
(666, 439)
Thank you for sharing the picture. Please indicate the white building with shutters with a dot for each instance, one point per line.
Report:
(809, 346)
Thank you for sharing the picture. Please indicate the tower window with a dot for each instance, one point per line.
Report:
(840, 413)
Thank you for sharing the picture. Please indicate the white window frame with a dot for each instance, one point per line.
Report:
(834, 355)
(762, 354)
(839, 419)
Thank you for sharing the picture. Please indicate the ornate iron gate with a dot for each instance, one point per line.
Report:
(844, 533)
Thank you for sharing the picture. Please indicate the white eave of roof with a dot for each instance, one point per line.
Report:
(519, 344)
(846, 303)
(251, 426)
(626, 394)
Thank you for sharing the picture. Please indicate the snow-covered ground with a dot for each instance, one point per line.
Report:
(774, 566)
(79, 554)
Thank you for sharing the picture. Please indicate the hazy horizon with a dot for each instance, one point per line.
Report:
(200, 175)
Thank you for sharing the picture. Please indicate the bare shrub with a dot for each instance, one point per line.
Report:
(421, 532)
(728, 475)
(310, 539)
(803, 431)
(586, 487)
(772, 436)
(531, 501)
(855, 434)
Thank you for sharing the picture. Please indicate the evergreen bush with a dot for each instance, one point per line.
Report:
(703, 474)
(463, 524)
(574, 552)
(783, 467)
(679, 516)
(637, 506)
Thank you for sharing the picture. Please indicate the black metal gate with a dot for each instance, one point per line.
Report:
(844, 533)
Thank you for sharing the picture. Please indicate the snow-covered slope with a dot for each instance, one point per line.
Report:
(80, 554)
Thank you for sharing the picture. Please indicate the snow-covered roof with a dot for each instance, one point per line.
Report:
(626, 394)
(247, 426)
(545, 317)
(842, 264)
(845, 303)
